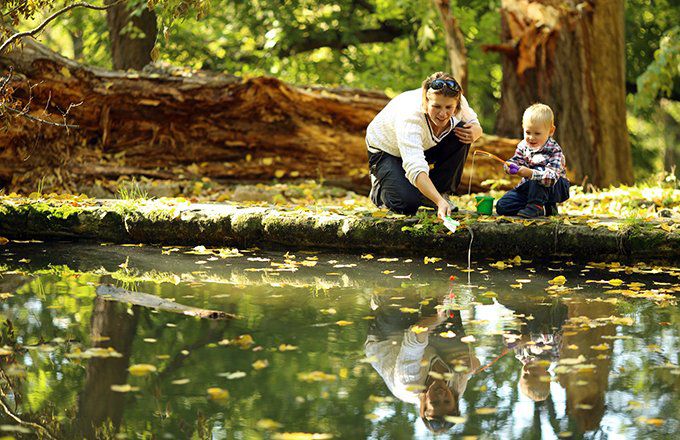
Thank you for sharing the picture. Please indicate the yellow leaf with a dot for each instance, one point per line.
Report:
(485, 411)
(666, 227)
(260, 364)
(367, 257)
(181, 381)
(558, 280)
(455, 419)
(287, 347)
(141, 369)
(468, 339)
(216, 393)
(125, 388)
(279, 173)
(428, 260)
(268, 424)
(615, 282)
(64, 71)
(516, 260)
(343, 323)
(316, 376)
(418, 329)
(300, 436)
(408, 310)
(499, 265)
(490, 294)
(3, 241)
(267, 161)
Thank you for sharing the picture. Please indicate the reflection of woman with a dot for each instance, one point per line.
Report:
(418, 367)
(417, 145)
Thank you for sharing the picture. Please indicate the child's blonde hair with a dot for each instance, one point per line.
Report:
(540, 114)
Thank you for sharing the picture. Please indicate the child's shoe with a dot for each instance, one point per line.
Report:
(532, 211)
(551, 209)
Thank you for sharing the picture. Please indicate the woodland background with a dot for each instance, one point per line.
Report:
(609, 69)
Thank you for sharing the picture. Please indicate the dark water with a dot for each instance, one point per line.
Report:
(334, 347)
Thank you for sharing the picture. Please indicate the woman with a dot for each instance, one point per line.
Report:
(417, 146)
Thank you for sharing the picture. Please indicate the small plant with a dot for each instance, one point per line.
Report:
(131, 191)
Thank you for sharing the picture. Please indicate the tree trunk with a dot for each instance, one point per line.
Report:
(570, 56)
(455, 42)
(132, 36)
(178, 125)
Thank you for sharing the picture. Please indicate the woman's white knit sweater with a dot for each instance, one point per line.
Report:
(401, 129)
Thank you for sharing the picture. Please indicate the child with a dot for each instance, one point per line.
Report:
(539, 161)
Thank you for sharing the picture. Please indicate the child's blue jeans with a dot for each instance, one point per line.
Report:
(532, 192)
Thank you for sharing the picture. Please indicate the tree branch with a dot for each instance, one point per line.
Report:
(42, 25)
(388, 31)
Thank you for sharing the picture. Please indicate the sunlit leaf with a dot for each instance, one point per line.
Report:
(300, 436)
(125, 388)
(316, 376)
(141, 369)
(343, 323)
(260, 364)
(218, 394)
(558, 280)
(268, 424)
(486, 411)
(287, 347)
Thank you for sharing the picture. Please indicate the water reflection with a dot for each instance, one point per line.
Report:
(415, 346)
(434, 358)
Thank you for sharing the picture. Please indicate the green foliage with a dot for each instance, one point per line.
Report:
(660, 73)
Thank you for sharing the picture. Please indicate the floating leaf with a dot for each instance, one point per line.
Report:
(260, 364)
(468, 339)
(300, 436)
(316, 376)
(601, 347)
(287, 347)
(342, 323)
(180, 381)
(125, 388)
(558, 280)
(418, 329)
(408, 310)
(486, 411)
(455, 419)
(268, 424)
(218, 394)
(141, 369)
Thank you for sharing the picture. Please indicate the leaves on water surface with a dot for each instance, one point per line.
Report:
(486, 411)
(316, 376)
(417, 329)
(218, 394)
(558, 280)
(94, 352)
(183, 381)
(287, 347)
(142, 369)
(268, 424)
(408, 310)
(260, 364)
(233, 375)
(301, 436)
(343, 323)
(124, 388)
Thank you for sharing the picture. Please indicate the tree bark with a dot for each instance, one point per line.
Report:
(188, 126)
(455, 42)
(132, 36)
(570, 56)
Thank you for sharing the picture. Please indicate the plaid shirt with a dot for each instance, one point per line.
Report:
(547, 163)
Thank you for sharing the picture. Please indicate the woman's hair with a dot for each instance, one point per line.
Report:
(539, 114)
(446, 91)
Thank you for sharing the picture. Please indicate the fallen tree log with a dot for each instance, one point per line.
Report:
(186, 125)
(113, 293)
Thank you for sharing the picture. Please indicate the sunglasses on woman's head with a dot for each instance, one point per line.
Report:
(439, 84)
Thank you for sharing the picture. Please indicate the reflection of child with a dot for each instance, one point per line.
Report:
(536, 352)
(539, 161)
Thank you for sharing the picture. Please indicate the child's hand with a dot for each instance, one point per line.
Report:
(513, 168)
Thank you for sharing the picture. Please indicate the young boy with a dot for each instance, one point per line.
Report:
(539, 161)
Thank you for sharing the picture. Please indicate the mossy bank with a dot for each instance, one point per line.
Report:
(178, 222)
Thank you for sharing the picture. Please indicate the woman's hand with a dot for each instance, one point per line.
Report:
(468, 133)
(443, 208)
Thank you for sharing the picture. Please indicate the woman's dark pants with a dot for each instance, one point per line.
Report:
(391, 187)
(532, 192)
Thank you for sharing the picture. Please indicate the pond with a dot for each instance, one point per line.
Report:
(333, 346)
